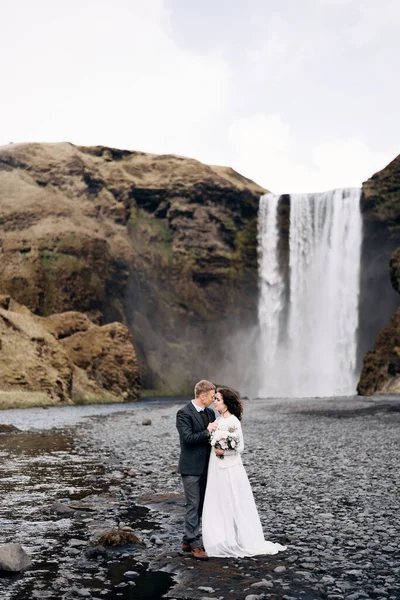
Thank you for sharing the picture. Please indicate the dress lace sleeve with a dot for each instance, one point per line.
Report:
(240, 446)
(241, 440)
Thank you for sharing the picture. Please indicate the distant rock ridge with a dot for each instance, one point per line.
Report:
(160, 243)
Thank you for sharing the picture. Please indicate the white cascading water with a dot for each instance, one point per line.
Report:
(309, 348)
(271, 286)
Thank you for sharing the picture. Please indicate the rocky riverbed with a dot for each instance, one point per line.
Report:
(324, 474)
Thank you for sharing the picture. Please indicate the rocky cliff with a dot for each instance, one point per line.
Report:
(63, 358)
(380, 267)
(380, 206)
(163, 244)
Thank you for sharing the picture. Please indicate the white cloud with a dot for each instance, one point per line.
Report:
(276, 52)
(262, 145)
(266, 151)
(308, 108)
(375, 18)
(109, 74)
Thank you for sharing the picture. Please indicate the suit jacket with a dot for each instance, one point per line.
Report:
(194, 440)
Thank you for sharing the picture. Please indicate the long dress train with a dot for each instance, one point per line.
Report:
(231, 525)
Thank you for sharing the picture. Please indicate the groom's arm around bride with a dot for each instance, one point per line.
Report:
(192, 422)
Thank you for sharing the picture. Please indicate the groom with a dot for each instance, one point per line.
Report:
(192, 422)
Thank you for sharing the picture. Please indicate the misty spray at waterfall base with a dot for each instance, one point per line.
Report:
(309, 295)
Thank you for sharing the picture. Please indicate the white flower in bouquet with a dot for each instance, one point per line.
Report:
(225, 439)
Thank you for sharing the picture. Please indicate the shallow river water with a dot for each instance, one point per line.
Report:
(324, 473)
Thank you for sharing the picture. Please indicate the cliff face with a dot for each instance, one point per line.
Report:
(380, 206)
(163, 244)
(381, 368)
(380, 198)
(380, 267)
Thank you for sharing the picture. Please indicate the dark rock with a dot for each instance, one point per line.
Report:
(380, 206)
(4, 301)
(62, 509)
(381, 368)
(380, 210)
(7, 428)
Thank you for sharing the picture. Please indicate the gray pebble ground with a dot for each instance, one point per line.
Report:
(325, 475)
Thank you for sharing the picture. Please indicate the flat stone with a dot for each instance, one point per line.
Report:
(262, 583)
(131, 574)
(81, 592)
(204, 588)
(75, 543)
(280, 569)
(60, 508)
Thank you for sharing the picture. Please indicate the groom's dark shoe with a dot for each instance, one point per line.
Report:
(199, 553)
(186, 548)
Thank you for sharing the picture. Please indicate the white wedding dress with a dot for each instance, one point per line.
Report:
(231, 525)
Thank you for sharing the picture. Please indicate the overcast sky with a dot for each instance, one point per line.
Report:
(299, 95)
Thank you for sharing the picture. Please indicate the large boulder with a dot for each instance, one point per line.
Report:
(164, 244)
(13, 558)
(31, 359)
(107, 356)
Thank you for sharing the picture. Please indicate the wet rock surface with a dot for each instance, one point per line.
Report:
(324, 475)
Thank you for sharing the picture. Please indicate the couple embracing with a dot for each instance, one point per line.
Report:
(217, 489)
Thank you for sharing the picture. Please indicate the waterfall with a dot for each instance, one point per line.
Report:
(308, 305)
(271, 285)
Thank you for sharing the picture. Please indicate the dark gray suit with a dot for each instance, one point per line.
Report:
(193, 465)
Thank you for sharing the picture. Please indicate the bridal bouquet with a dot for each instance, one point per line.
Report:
(226, 439)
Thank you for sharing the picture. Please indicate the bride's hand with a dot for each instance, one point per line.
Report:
(212, 427)
(219, 451)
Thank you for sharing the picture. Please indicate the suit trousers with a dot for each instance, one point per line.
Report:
(195, 488)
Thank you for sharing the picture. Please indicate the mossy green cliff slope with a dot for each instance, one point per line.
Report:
(164, 244)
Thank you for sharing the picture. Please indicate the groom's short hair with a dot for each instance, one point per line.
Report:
(203, 386)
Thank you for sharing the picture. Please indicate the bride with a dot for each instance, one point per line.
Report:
(231, 525)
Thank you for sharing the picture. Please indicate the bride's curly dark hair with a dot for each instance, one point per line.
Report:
(232, 401)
